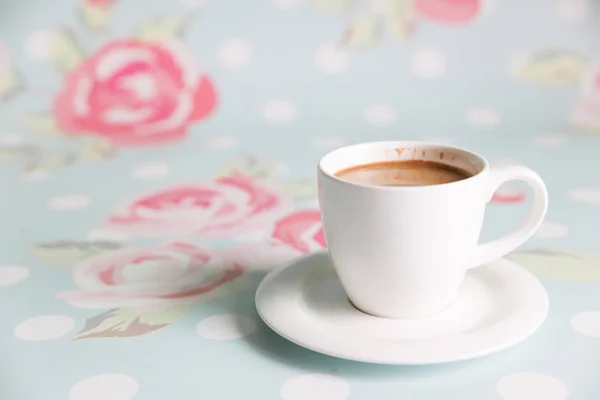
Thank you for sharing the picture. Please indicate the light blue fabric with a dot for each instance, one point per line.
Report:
(530, 123)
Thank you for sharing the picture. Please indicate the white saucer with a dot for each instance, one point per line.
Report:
(498, 305)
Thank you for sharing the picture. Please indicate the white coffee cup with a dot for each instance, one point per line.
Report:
(403, 251)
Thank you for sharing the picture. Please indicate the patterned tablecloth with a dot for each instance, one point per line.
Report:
(159, 157)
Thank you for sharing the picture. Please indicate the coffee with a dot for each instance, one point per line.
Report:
(403, 173)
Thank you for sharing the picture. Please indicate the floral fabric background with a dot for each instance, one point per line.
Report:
(158, 158)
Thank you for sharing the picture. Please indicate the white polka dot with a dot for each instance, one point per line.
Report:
(225, 327)
(590, 195)
(587, 323)
(44, 327)
(551, 230)
(549, 140)
(107, 235)
(428, 63)
(235, 53)
(69, 202)
(12, 274)
(529, 386)
(153, 170)
(380, 115)
(103, 387)
(279, 111)
(38, 45)
(315, 387)
(482, 117)
(331, 60)
(331, 142)
(286, 4)
(219, 142)
(37, 176)
(572, 10)
(11, 140)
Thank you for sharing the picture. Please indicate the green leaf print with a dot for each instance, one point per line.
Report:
(562, 265)
(128, 322)
(69, 253)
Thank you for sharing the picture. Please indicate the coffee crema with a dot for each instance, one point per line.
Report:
(403, 173)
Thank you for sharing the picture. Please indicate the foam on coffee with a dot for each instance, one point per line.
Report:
(403, 173)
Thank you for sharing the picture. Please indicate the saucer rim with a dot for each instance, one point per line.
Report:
(532, 327)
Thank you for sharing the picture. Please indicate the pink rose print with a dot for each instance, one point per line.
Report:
(586, 114)
(145, 278)
(228, 207)
(135, 93)
(508, 195)
(301, 230)
(100, 3)
(453, 11)
(591, 81)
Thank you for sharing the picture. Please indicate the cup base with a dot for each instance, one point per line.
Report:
(397, 317)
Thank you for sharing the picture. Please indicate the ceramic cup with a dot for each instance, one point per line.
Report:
(402, 251)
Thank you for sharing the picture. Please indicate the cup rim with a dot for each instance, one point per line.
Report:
(415, 143)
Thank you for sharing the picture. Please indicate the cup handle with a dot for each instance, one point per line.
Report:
(495, 249)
